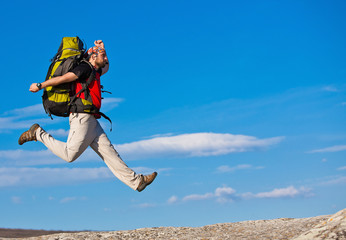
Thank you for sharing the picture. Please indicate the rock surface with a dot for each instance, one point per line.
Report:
(333, 228)
(314, 228)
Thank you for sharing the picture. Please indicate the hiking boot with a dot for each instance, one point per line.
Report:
(146, 180)
(29, 135)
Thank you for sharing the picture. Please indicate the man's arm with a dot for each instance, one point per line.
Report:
(100, 44)
(68, 77)
(106, 68)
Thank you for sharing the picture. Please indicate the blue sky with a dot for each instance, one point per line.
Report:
(239, 106)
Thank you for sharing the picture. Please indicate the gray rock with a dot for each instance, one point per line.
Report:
(314, 228)
(333, 228)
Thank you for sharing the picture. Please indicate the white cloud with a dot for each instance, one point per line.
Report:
(196, 197)
(226, 168)
(22, 118)
(145, 205)
(14, 123)
(143, 170)
(42, 157)
(112, 100)
(28, 158)
(172, 200)
(70, 199)
(28, 111)
(13, 177)
(342, 168)
(185, 145)
(25, 157)
(330, 89)
(159, 135)
(224, 194)
(59, 132)
(289, 192)
(110, 103)
(336, 148)
(146, 170)
(194, 145)
(221, 194)
(334, 181)
(223, 191)
(227, 194)
(16, 200)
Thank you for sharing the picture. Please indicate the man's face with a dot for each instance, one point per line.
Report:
(101, 59)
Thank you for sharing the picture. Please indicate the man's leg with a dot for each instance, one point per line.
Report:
(103, 147)
(82, 133)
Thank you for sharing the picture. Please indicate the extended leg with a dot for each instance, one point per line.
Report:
(82, 133)
(103, 147)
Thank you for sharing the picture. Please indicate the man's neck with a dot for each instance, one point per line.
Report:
(94, 65)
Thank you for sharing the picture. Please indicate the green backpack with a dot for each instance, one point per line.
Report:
(57, 99)
(62, 99)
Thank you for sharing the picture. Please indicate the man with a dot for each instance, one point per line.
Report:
(85, 130)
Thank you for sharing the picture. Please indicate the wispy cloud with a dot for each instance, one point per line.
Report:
(14, 123)
(221, 194)
(184, 145)
(28, 111)
(330, 89)
(20, 157)
(159, 135)
(226, 168)
(71, 199)
(110, 103)
(334, 180)
(16, 200)
(194, 145)
(28, 158)
(22, 118)
(227, 194)
(145, 205)
(12, 177)
(146, 170)
(196, 197)
(288, 192)
(336, 148)
(59, 132)
(342, 168)
(172, 199)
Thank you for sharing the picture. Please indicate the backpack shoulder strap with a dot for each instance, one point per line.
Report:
(90, 79)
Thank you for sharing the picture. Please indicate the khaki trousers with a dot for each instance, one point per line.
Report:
(86, 131)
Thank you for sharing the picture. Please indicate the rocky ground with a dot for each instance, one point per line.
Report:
(314, 228)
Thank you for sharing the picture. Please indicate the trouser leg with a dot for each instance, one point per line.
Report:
(103, 147)
(82, 133)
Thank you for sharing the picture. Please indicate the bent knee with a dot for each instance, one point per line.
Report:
(72, 157)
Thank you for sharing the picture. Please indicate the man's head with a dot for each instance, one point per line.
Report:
(97, 57)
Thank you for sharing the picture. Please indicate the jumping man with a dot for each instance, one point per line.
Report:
(85, 130)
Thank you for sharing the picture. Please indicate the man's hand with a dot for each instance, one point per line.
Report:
(99, 43)
(34, 88)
